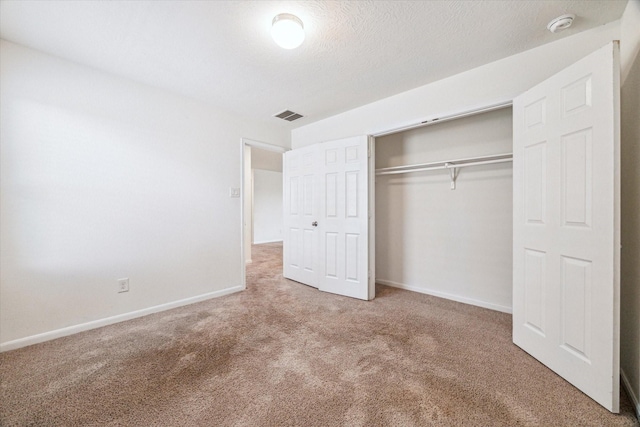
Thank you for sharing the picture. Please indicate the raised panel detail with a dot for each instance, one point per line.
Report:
(331, 156)
(576, 96)
(351, 181)
(577, 176)
(351, 154)
(576, 307)
(535, 271)
(535, 181)
(307, 250)
(294, 195)
(294, 244)
(331, 255)
(293, 162)
(307, 160)
(308, 195)
(331, 195)
(535, 114)
(351, 255)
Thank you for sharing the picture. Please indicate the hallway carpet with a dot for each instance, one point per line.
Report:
(284, 354)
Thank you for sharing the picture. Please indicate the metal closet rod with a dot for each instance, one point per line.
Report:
(447, 164)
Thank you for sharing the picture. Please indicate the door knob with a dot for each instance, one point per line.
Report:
(314, 223)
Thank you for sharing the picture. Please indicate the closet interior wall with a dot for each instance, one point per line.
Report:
(455, 244)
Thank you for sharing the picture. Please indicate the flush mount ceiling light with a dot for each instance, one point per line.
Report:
(560, 23)
(287, 30)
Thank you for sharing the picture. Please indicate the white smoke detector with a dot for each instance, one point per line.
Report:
(560, 23)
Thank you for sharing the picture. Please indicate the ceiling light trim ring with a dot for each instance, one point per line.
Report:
(289, 17)
(287, 30)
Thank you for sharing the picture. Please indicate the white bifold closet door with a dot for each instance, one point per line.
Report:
(566, 224)
(326, 199)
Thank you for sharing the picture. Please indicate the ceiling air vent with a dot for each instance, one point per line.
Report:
(288, 115)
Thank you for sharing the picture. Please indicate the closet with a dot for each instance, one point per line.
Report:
(537, 235)
(445, 230)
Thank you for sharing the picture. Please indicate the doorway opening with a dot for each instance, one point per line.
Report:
(261, 197)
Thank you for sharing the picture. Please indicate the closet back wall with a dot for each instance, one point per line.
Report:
(455, 244)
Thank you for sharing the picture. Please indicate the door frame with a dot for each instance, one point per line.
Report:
(251, 143)
(371, 204)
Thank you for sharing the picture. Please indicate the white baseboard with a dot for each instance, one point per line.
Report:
(446, 295)
(631, 393)
(267, 241)
(70, 330)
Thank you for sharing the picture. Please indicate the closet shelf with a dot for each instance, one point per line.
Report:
(452, 165)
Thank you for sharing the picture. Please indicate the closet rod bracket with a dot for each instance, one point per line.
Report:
(453, 171)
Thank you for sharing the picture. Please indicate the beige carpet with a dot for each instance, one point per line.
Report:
(284, 354)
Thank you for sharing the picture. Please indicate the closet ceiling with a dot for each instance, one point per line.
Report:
(355, 52)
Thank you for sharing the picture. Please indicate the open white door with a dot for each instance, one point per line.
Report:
(344, 217)
(326, 213)
(566, 224)
(300, 212)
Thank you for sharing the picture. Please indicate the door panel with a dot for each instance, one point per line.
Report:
(566, 224)
(344, 223)
(300, 258)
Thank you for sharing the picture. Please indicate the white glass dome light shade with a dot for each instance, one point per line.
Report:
(287, 31)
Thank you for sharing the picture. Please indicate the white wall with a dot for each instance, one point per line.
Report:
(629, 37)
(266, 160)
(630, 183)
(451, 243)
(103, 178)
(267, 206)
(267, 194)
(488, 84)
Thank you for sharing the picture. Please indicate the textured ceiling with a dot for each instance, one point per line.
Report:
(355, 52)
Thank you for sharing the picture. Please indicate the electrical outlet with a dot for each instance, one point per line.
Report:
(234, 192)
(123, 285)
